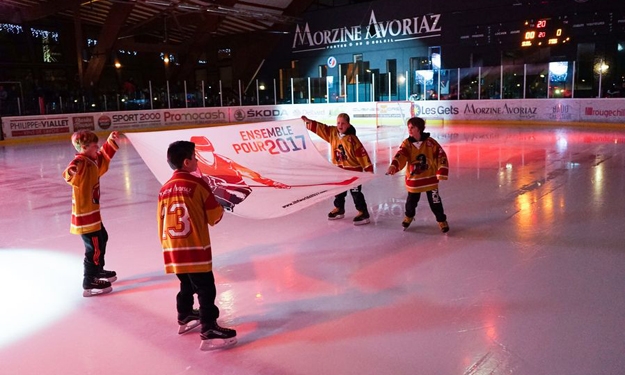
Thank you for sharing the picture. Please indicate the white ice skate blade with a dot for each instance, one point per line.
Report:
(213, 344)
(96, 292)
(184, 328)
(362, 222)
(337, 217)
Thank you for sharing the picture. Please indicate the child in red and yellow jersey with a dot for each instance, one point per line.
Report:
(347, 153)
(186, 207)
(83, 174)
(427, 164)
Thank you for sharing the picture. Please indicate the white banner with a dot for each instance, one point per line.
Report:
(261, 170)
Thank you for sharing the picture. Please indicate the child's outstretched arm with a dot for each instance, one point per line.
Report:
(113, 137)
(309, 123)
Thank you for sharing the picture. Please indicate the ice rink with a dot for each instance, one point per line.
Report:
(529, 280)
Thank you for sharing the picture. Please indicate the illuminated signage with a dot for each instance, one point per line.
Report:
(543, 32)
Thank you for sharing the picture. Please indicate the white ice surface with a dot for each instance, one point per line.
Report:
(529, 280)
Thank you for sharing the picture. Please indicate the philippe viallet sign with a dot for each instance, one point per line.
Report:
(375, 32)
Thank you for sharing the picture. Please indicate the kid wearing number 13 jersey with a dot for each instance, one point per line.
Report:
(186, 206)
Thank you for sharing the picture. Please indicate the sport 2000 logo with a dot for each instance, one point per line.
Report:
(419, 110)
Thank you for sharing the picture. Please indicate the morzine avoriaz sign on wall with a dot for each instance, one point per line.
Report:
(376, 31)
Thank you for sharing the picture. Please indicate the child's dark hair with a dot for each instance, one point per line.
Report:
(178, 152)
(82, 138)
(417, 122)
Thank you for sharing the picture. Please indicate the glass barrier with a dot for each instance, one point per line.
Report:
(469, 83)
(490, 83)
(513, 82)
(559, 79)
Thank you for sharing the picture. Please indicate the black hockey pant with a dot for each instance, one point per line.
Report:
(357, 195)
(95, 248)
(436, 204)
(202, 284)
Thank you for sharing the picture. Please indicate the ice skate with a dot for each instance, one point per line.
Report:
(109, 276)
(362, 218)
(215, 337)
(93, 286)
(191, 321)
(336, 214)
(444, 226)
(407, 221)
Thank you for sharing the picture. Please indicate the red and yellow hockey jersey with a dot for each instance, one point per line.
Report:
(86, 188)
(347, 151)
(186, 206)
(426, 160)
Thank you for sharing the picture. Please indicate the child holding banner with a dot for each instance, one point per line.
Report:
(347, 153)
(186, 207)
(426, 163)
(83, 174)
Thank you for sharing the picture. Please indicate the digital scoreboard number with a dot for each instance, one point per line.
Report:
(543, 32)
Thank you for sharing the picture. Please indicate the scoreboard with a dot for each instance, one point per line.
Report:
(547, 31)
(544, 32)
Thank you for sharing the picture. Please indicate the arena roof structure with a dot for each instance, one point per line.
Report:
(166, 21)
(169, 26)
